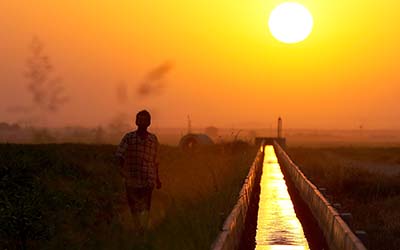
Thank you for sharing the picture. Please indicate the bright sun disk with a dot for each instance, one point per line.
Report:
(290, 22)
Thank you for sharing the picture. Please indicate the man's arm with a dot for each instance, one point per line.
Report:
(158, 184)
(157, 164)
(120, 154)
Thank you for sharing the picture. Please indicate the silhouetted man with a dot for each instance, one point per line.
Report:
(138, 162)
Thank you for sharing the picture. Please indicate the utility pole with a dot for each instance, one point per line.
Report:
(189, 125)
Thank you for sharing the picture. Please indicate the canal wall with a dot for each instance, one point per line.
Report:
(337, 233)
(231, 232)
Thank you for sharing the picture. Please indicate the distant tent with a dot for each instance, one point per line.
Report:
(191, 141)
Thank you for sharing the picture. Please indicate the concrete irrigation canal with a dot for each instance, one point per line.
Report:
(277, 224)
(280, 209)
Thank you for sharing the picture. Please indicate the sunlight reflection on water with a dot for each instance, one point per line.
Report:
(278, 228)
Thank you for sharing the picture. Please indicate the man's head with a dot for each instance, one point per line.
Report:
(143, 119)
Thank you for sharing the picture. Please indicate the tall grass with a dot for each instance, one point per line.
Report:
(372, 196)
(71, 197)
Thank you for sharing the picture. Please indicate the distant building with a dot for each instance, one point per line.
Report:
(13, 133)
(191, 141)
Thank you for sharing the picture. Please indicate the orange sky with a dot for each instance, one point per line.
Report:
(227, 68)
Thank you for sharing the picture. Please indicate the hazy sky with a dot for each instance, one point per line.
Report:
(216, 61)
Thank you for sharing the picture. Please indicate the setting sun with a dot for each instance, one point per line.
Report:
(290, 22)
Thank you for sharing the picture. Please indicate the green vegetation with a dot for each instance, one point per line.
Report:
(366, 181)
(71, 197)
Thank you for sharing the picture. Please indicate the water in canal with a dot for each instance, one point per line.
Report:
(278, 228)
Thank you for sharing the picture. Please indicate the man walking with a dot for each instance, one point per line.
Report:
(138, 164)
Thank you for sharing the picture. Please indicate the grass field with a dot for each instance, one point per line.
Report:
(366, 181)
(70, 196)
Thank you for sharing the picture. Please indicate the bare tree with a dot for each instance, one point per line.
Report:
(47, 90)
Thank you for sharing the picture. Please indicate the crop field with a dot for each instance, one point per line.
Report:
(70, 196)
(365, 180)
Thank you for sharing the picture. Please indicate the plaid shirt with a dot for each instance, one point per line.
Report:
(140, 159)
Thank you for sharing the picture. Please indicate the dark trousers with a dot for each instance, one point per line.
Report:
(139, 199)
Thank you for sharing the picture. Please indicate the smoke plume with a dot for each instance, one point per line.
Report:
(153, 82)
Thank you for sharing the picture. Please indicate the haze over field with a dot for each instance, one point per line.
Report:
(214, 60)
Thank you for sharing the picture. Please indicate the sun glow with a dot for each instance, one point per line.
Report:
(290, 22)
